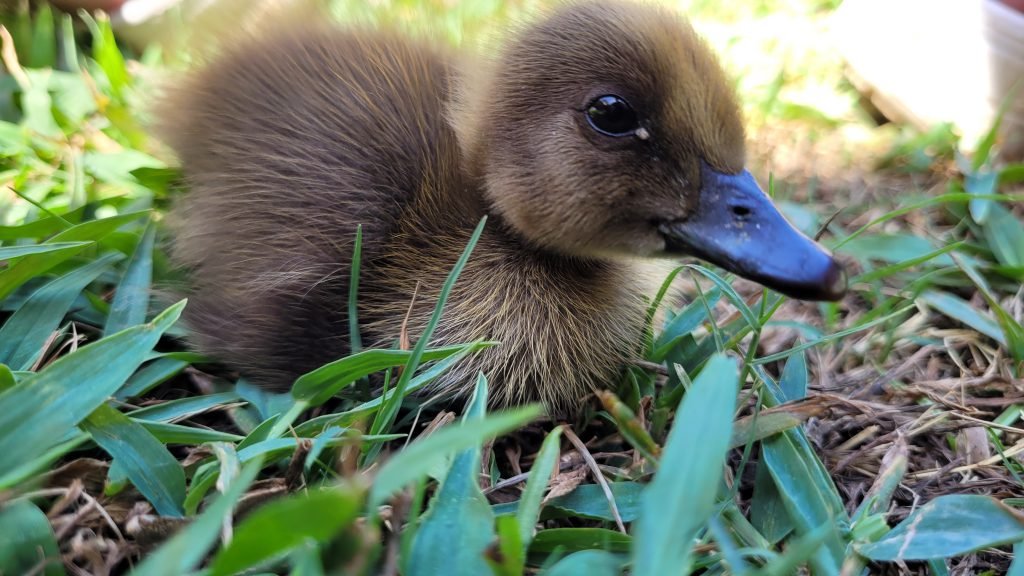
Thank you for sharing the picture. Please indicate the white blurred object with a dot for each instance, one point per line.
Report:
(934, 61)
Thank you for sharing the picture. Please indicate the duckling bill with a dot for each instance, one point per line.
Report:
(602, 143)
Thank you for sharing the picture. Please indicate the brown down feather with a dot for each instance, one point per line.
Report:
(290, 139)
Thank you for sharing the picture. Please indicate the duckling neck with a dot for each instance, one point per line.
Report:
(565, 325)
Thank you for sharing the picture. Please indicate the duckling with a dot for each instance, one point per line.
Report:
(604, 137)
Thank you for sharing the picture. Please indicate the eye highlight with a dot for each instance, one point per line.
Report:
(611, 115)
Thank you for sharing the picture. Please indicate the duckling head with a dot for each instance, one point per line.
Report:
(609, 129)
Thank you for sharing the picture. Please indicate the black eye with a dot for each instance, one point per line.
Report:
(612, 116)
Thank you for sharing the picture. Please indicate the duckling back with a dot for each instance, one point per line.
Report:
(288, 143)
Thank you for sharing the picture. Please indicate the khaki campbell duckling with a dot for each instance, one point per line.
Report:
(602, 136)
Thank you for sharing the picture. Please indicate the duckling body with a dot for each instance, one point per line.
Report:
(291, 141)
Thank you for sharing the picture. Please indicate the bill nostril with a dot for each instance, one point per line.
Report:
(740, 211)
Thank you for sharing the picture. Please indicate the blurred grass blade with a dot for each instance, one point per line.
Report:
(25, 333)
(459, 513)
(949, 526)
(586, 562)
(106, 53)
(426, 454)
(44, 407)
(43, 53)
(27, 544)
(183, 552)
(146, 462)
(37, 264)
(131, 299)
(961, 311)
(536, 484)
(286, 524)
(1017, 565)
(1004, 234)
(7, 379)
(886, 271)
(767, 512)
(10, 252)
(981, 183)
(1012, 330)
(682, 495)
(807, 499)
(793, 382)
(798, 552)
(568, 540)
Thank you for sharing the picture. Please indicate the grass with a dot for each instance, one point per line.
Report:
(762, 435)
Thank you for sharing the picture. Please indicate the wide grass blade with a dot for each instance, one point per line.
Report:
(459, 513)
(949, 526)
(27, 544)
(286, 524)
(424, 455)
(37, 264)
(131, 300)
(42, 408)
(681, 498)
(543, 467)
(146, 462)
(25, 333)
(587, 562)
(961, 311)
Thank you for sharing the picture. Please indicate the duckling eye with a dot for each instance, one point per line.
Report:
(612, 116)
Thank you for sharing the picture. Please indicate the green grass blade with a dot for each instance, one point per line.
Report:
(793, 383)
(28, 542)
(568, 540)
(949, 526)
(147, 463)
(808, 502)
(459, 513)
(536, 484)
(424, 455)
(959, 310)
(10, 252)
(25, 333)
(37, 264)
(589, 562)
(131, 300)
(322, 384)
(682, 495)
(1004, 235)
(286, 524)
(186, 435)
(150, 376)
(355, 340)
(44, 407)
(683, 324)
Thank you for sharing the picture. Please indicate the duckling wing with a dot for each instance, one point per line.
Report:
(287, 143)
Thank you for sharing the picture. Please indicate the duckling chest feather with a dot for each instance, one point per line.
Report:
(564, 326)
